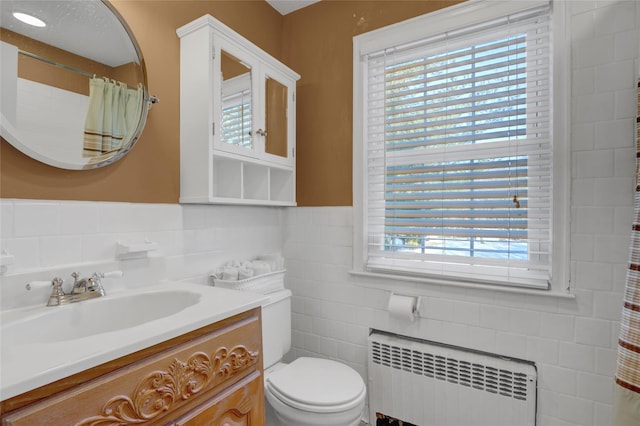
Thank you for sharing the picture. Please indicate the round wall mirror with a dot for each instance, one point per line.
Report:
(74, 85)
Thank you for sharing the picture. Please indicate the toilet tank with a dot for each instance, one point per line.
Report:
(276, 327)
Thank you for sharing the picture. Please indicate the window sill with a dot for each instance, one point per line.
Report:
(381, 281)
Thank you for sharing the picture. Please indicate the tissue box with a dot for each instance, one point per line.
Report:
(265, 283)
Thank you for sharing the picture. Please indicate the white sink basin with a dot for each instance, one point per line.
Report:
(43, 344)
(95, 316)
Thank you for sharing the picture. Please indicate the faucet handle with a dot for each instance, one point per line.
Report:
(96, 280)
(112, 274)
(56, 283)
(31, 285)
(97, 276)
(57, 293)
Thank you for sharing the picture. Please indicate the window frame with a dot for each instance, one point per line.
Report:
(459, 16)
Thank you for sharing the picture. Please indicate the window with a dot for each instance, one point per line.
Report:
(456, 130)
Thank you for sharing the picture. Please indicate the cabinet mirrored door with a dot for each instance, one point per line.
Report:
(237, 111)
(278, 94)
(276, 118)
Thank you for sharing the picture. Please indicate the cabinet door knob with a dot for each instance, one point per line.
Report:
(261, 132)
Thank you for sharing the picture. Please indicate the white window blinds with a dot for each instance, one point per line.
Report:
(459, 157)
(236, 119)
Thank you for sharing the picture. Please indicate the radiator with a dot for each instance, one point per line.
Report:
(428, 384)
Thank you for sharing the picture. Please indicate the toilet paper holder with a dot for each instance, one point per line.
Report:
(403, 306)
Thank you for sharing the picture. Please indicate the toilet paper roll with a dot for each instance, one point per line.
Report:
(403, 307)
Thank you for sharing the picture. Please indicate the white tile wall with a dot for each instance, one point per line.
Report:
(573, 342)
(193, 238)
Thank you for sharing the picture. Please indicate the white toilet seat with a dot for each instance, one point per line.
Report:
(317, 385)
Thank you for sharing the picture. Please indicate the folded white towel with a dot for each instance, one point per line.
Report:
(216, 273)
(244, 273)
(275, 261)
(260, 267)
(230, 274)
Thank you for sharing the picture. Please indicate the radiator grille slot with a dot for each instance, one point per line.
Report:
(511, 384)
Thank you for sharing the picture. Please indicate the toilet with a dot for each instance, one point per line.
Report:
(308, 391)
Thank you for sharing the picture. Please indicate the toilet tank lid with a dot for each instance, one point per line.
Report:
(318, 385)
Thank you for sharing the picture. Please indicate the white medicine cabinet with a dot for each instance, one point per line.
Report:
(237, 119)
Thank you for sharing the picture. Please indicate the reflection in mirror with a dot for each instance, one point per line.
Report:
(236, 101)
(276, 142)
(74, 91)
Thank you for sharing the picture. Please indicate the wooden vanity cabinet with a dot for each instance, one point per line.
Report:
(212, 376)
(236, 406)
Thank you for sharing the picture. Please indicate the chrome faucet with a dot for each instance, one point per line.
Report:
(87, 285)
(82, 288)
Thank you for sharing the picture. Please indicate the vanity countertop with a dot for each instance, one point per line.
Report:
(29, 362)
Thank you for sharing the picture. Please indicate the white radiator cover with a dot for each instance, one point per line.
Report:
(430, 384)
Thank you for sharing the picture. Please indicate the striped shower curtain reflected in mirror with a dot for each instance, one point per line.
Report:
(626, 401)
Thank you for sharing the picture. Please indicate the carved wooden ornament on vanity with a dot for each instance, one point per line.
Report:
(158, 391)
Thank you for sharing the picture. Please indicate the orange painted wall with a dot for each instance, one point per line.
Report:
(316, 42)
(319, 47)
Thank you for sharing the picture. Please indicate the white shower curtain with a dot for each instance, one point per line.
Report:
(112, 116)
(626, 401)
